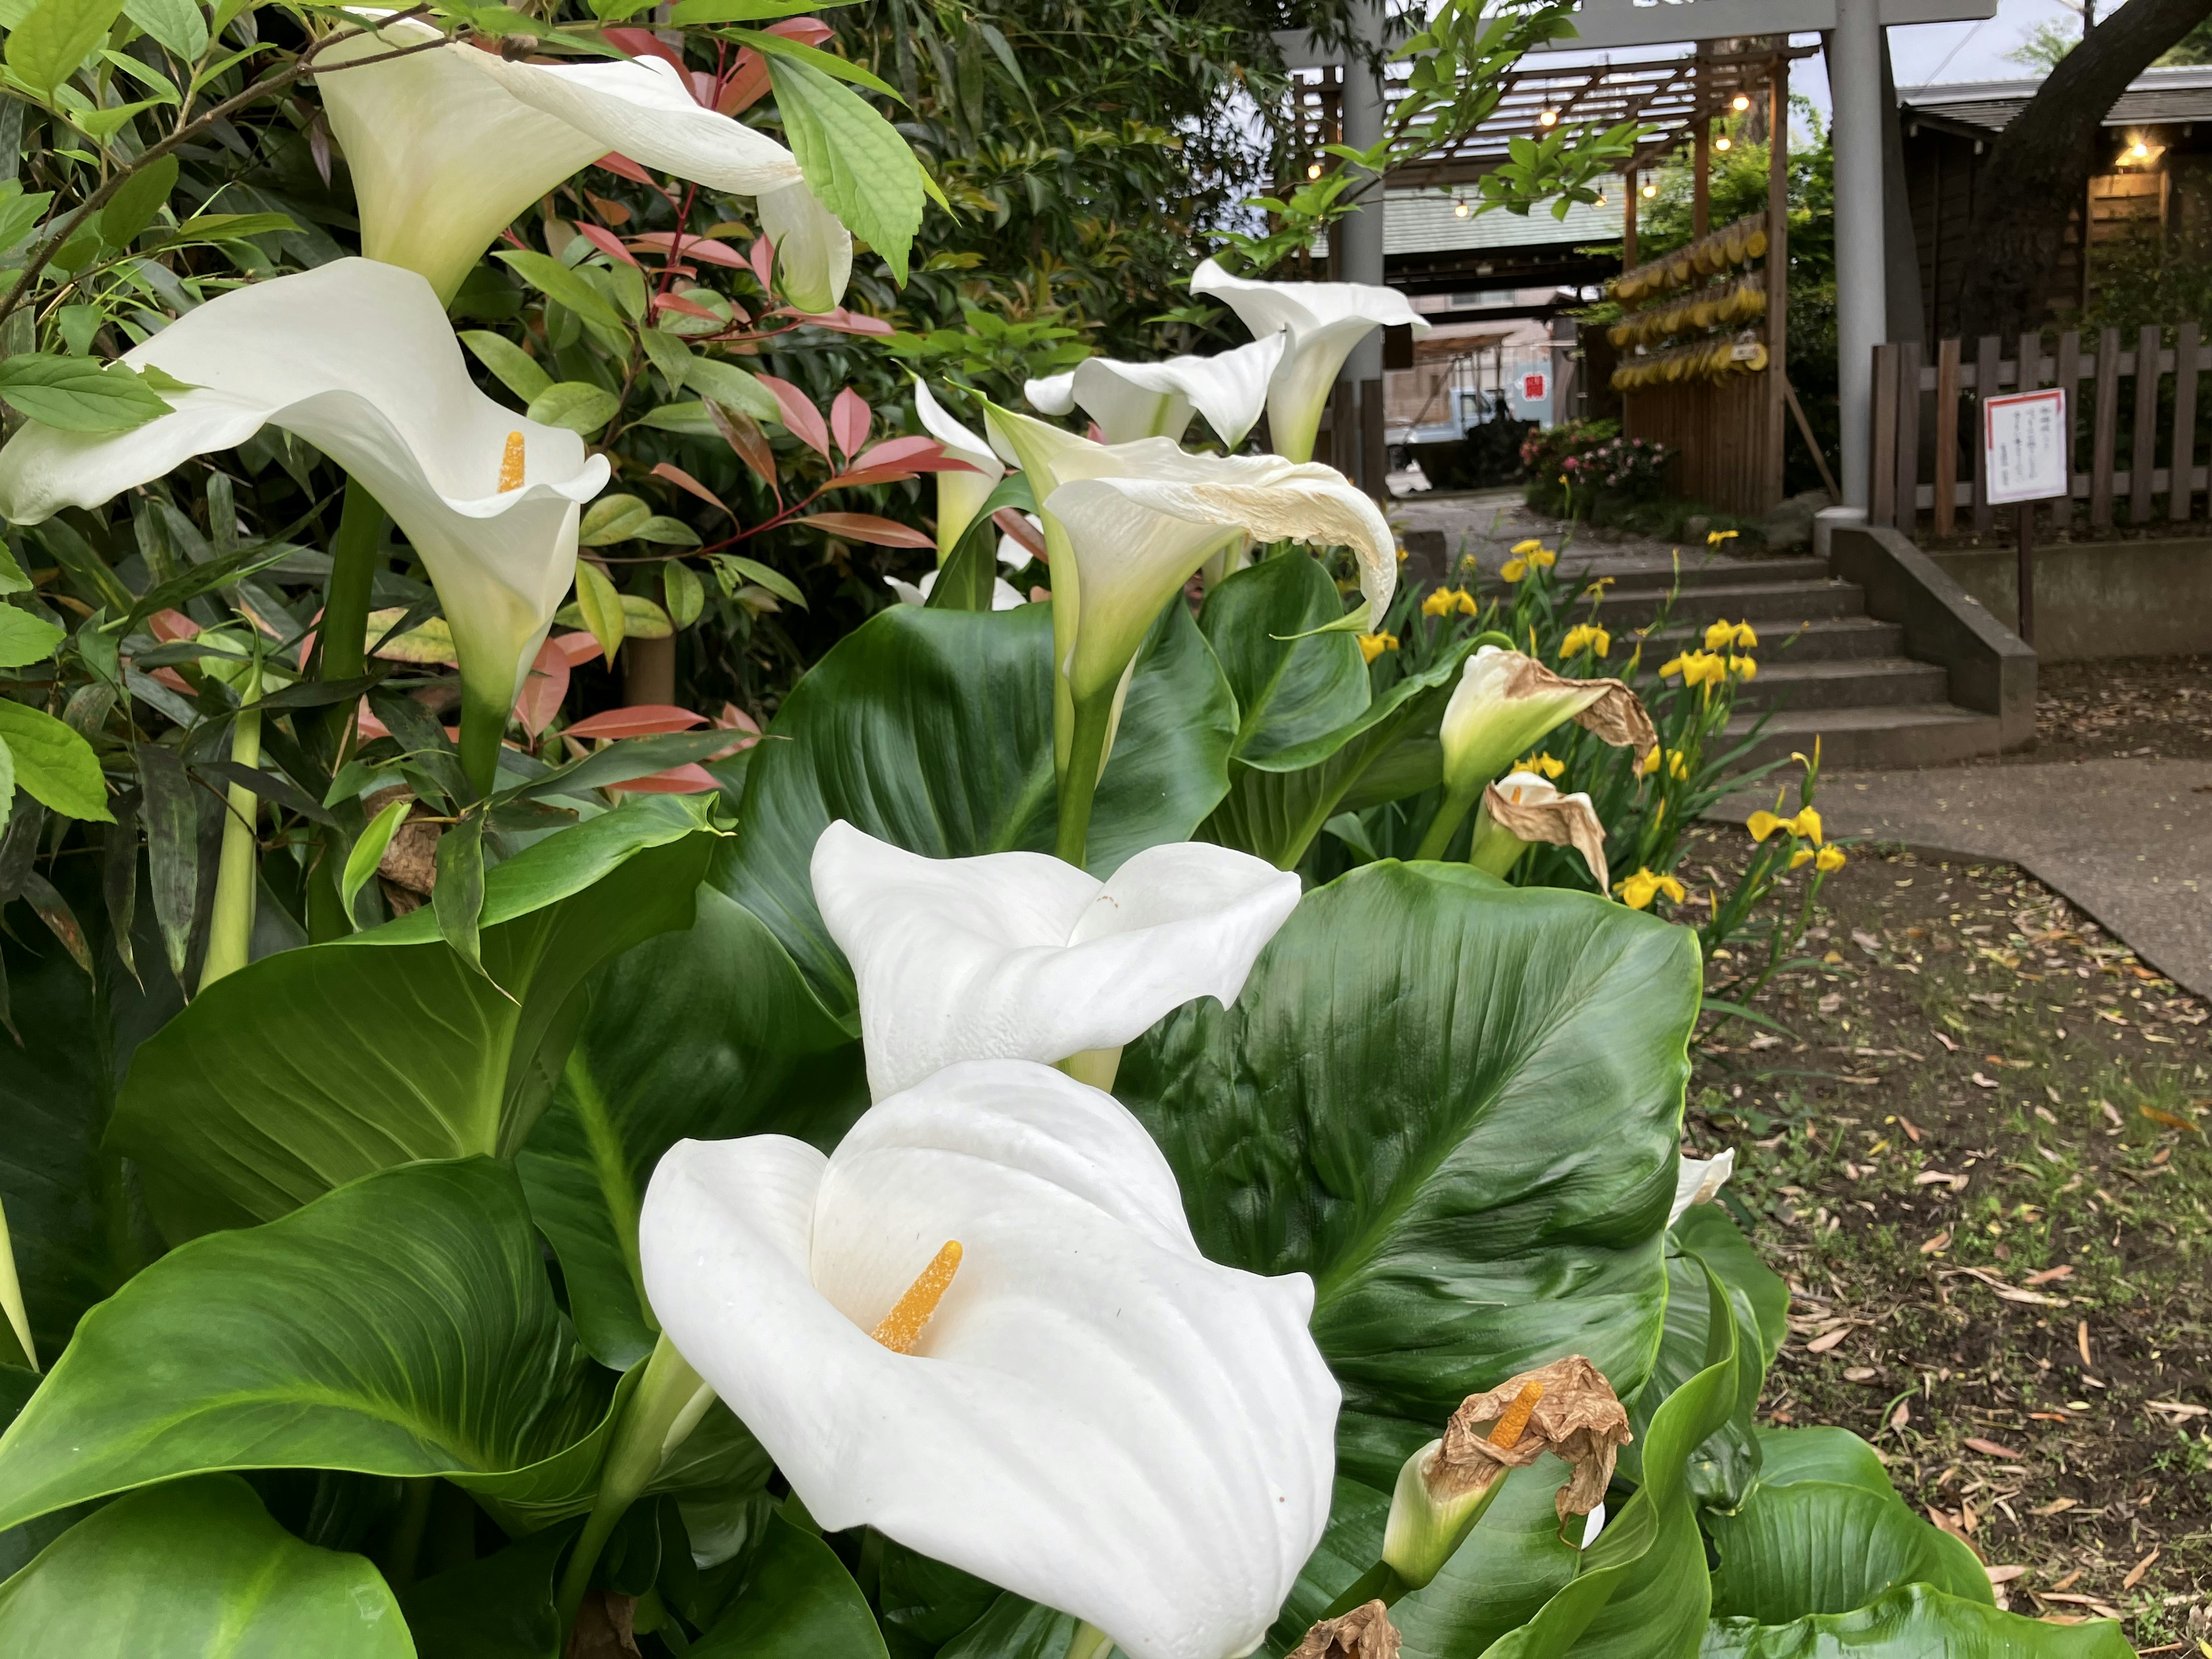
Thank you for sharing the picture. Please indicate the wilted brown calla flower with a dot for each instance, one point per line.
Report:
(1574, 1415)
(1365, 1633)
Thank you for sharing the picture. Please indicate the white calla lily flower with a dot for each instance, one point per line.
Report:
(447, 146)
(1052, 394)
(960, 495)
(1131, 401)
(982, 1325)
(1324, 321)
(1017, 956)
(357, 358)
(1699, 1181)
(813, 252)
(1003, 597)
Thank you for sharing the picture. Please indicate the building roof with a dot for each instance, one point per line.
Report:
(1422, 221)
(2154, 97)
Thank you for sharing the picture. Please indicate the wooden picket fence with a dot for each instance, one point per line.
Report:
(1927, 451)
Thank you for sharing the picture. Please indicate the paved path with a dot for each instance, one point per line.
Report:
(2128, 841)
(1491, 520)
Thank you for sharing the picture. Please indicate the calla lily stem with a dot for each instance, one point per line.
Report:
(659, 1417)
(1090, 1642)
(1443, 826)
(346, 601)
(483, 723)
(1079, 783)
(230, 928)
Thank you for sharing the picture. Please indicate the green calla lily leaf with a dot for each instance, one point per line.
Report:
(307, 1069)
(933, 730)
(1292, 684)
(798, 1601)
(709, 1033)
(197, 1568)
(1912, 1622)
(1455, 1103)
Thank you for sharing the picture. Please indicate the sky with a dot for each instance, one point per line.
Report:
(1925, 52)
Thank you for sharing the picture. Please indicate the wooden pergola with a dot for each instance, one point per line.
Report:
(1728, 432)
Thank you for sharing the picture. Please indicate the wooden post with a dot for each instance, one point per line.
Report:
(1986, 386)
(2144, 455)
(1777, 270)
(2181, 469)
(1628, 224)
(1908, 436)
(1947, 436)
(2069, 381)
(1881, 461)
(2024, 520)
(1701, 188)
(2106, 429)
(2027, 377)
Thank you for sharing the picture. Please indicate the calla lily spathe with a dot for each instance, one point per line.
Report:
(1131, 401)
(1522, 808)
(1130, 523)
(1699, 1181)
(960, 495)
(357, 358)
(1505, 700)
(447, 146)
(1004, 596)
(1086, 1411)
(1323, 321)
(1018, 956)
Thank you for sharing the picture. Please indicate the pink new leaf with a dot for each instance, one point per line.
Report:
(849, 420)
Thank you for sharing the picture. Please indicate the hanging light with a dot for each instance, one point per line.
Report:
(1740, 102)
(1460, 208)
(1721, 142)
(1650, 190)
(1549, 117)
(1601, 199)
(1314, 171)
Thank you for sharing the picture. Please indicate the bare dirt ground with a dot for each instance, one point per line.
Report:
(1973, 1139)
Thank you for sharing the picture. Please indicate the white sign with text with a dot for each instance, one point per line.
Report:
(2024, 445)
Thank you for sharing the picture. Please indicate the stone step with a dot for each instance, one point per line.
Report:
(1784, 682)
(1643, 573)
(1784, 604)
(1893, 735)
(1821, 639)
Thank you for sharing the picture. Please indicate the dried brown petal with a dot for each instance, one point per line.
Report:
(1561, 820)
(1616, 716)
(1365, 1633)
(1575, 1418)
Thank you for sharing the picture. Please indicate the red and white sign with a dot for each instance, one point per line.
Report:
(2024, 445)
(1533, 386)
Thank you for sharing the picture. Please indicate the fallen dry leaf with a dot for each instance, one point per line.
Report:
(2081, 1341)
(1910, 1128)
(2058, 1506)
(2005, 1575)
(1936, 1243)
(2172, 1120)
(1992, 1448)
(1822, 1344)
(2135, 1573)
(1901, 1416)
(1981, 1082)
(2068, 1581)
(1949, 1047)
(2048, 1274)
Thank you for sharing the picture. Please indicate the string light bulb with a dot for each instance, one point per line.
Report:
(1740, 102)
(1721, 142)
(1549, 117)
(1314, 171)
(1459, 210)
(1650, 191)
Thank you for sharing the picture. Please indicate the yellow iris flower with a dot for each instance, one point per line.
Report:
(1585, 636)
(1543, 763)
(1522, 549)
(1640, 889)
(1372, 646)
(1678, 763)
(1827, 860)
(1742, 668)
(1723, 636)
(1438, 603)
(1715, 538)
(1696, 668)
(1805, 826)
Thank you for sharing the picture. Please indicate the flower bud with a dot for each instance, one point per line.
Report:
(1521, 808)
(1566, 1408)
(1505, 700)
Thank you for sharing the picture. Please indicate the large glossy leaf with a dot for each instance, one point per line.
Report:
(797, 1602)
(401, 1325)
(1278, 800)
(194, 1569)
(1803, 1545)
(1916, 1622)
(1292, 684)
(710, 1033)
(1721, 1470)
(933, 730)
(1014, 1629)
(499, 1607)
(18, 1544)
(1454, 1104)
(314, 1067)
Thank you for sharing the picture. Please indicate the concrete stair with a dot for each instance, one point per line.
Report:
(1825, 669)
